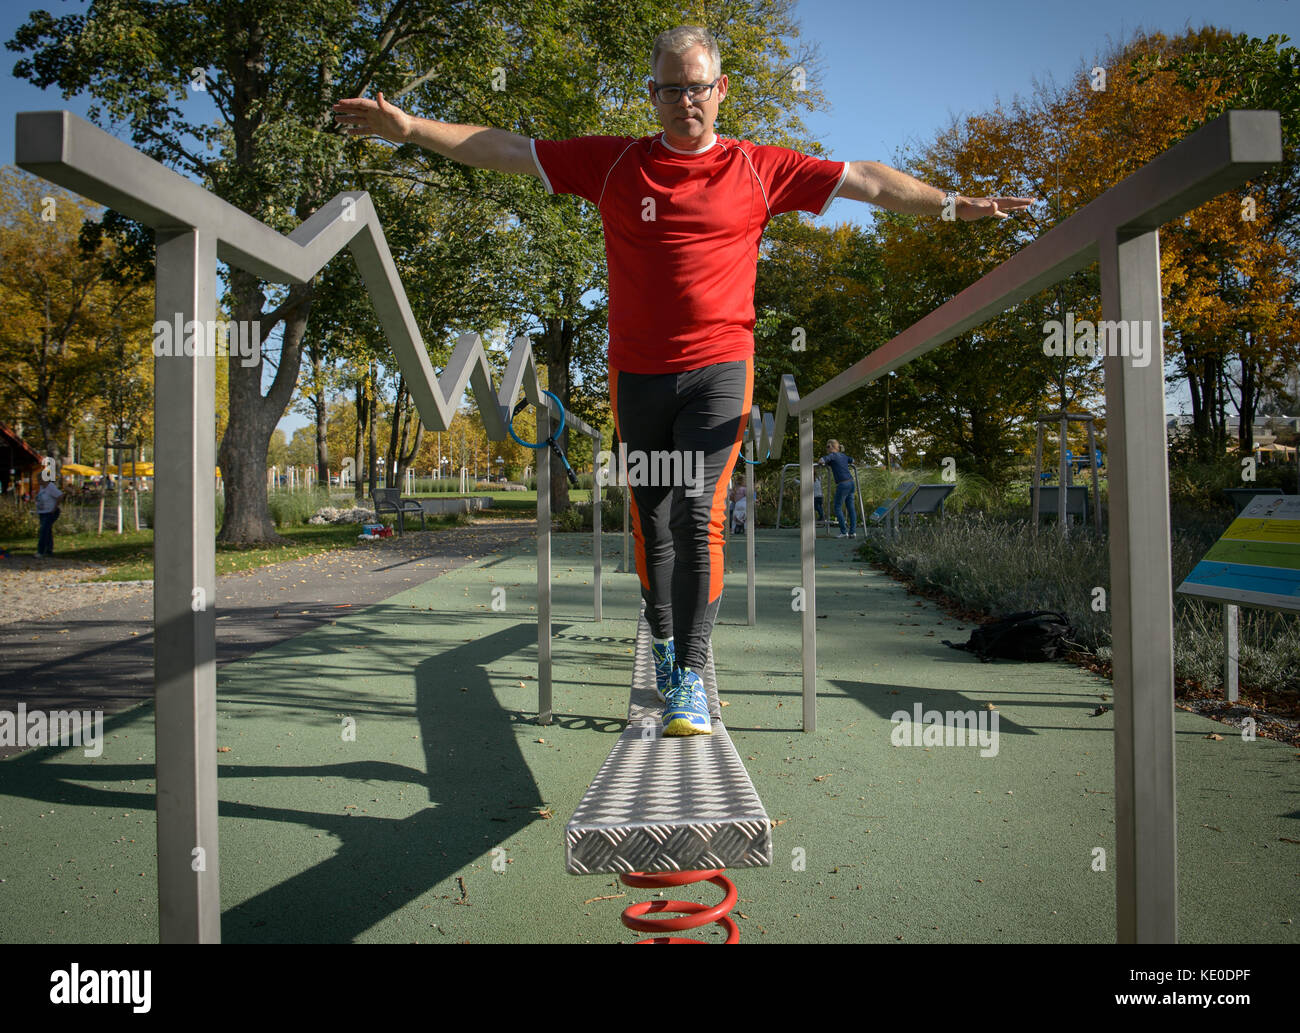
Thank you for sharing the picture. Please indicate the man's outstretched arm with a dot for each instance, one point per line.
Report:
(887, 187)
(478, 146)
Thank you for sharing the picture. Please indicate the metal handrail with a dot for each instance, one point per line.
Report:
(1119, 231)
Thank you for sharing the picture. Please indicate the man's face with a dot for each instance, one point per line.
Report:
(688, 123)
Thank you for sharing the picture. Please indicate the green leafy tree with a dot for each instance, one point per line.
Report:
(270, 72)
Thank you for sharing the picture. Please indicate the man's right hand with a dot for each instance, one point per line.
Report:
(478, 146)
(362, 117)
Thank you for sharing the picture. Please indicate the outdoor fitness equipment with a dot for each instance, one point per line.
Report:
(555, 445)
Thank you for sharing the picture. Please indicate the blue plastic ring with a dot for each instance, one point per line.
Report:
(510, 426)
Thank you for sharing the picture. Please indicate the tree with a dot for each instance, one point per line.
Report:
(1244, 302)
(277, 451)
(271, 72)
(302, 448)
(67, 322)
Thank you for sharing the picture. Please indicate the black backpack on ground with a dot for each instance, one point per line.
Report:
(1033, 636)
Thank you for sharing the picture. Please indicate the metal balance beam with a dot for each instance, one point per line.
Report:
(675, 804)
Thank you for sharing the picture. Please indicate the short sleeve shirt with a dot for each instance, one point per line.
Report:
(681, 236)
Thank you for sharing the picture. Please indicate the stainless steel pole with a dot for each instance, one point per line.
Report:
(1141, 601)
(185, 597)
(544, 567)
(808, 565)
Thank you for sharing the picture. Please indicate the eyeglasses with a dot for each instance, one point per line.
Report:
(672, 94)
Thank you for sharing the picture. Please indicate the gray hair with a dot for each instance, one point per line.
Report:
(682, 39)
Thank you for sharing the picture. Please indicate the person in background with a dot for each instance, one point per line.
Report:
(840, 465)
(739, 507)
(47, 511)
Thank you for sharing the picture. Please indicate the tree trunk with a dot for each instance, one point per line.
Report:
(1249, 403)
(322, 423)
(391, 478)
(358, 437)
(253, 416)
(404, 455)
(372, 431)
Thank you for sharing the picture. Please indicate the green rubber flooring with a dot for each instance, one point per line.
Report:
(443, 820)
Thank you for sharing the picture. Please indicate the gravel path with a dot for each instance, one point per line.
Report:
(90, 646)
(33, 588)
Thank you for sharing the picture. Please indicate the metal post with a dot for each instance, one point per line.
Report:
(626, 493)
(1096, 477)
(1141, 601)
(1063, 479)
(862, 508)
(597, 528)
(780, 492)
(808, 564)
(185, 674)
(1036, 487)
(1230, 652)
(751, 517)
(544, 568)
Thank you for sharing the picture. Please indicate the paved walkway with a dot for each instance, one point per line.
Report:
(444, 820)
(101, 656)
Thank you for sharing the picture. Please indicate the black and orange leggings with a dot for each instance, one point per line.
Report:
(678, 526)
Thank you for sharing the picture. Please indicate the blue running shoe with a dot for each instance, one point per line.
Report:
(686, 711)
(664, 656)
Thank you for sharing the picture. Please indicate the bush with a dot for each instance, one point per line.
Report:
(289, 508)
(998, 567)
(578, 516)
(18, 518)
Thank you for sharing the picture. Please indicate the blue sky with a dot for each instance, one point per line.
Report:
(893, 73)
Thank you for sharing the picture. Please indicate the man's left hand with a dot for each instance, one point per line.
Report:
(971, 208)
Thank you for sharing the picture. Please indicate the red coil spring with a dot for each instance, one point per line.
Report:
(693, 915)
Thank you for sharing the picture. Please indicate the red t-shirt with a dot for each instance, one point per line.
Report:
(681, 237)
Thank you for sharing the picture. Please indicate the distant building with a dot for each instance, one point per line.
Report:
(20, 464)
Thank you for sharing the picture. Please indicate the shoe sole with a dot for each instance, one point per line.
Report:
(684, 726)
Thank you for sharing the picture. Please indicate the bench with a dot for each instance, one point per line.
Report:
(1241, 497)
(389, 500)
(1076, 501)
(927, 500)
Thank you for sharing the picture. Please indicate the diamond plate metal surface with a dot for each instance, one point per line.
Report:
(675, 804)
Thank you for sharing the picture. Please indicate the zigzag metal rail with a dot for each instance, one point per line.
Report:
(194, 229)
(65, 149)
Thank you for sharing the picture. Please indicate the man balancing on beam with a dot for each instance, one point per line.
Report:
(683, 211)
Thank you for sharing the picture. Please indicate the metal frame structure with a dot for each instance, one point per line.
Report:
(1064, 476)
(194, 230)
(1119, 231)
(826, 506)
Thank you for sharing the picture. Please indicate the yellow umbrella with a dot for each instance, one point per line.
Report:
(133, 469)
(78, 468)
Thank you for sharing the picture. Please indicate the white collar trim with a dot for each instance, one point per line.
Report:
(705, 150)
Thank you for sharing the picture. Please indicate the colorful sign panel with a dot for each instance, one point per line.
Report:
(1257, 561)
